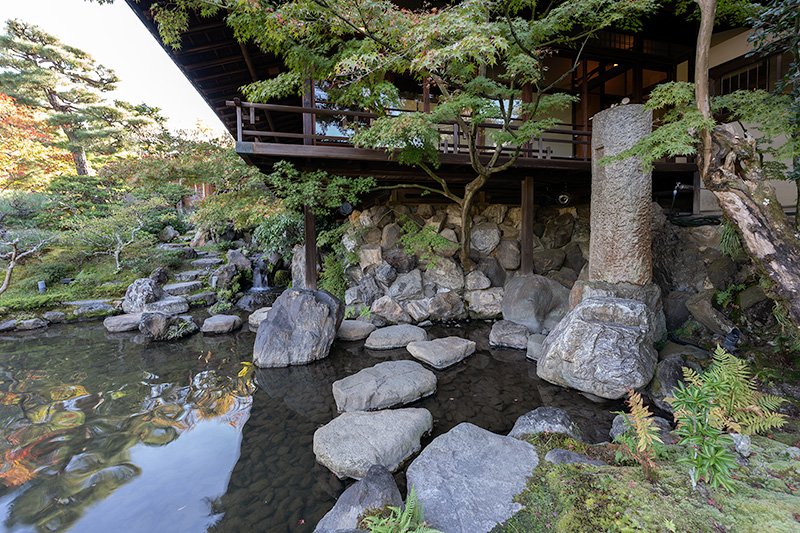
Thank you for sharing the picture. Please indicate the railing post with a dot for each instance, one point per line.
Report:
(238, 104)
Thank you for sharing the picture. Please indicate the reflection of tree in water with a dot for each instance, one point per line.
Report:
(64, 448)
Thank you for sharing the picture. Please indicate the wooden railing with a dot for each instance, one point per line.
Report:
(565, 142)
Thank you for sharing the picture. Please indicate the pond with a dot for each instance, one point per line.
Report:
(100, 429)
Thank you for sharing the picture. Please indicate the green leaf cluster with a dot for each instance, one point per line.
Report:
(279, 233)
(423, 241)
(401, 520)
(724, 397)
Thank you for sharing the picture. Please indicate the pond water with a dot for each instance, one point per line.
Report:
(99, 432)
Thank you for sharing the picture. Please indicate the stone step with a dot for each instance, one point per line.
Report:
(188, 275)
(207, 263)
(176, 289)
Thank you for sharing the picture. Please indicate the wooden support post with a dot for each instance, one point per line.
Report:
(311, 249)
(526, 235)
(308, 118)
(697, 185)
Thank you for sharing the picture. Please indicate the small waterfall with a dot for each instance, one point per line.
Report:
(260, 274)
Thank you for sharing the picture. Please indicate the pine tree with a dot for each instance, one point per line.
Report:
(41, 72)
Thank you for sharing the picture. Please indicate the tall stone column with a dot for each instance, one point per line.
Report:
(619, 250)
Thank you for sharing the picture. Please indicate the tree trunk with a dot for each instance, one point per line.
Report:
(470, 191)
(82, 166)
(736, 179)
(11, 264)
(730, 167)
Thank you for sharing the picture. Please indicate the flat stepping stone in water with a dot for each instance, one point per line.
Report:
(354, 330)
(221, 324)
(395, 337)
(171, 305)
(545, 420)
(189, 275)
(176, 289)
(352, 442)
(120, 323)
(467, 478)
(441, 353)
(207, 263)
(384, 385)
(557, 456)
(508, 334)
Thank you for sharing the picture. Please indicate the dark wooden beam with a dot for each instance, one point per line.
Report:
(526, 235)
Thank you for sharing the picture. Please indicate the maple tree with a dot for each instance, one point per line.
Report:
(480, 56)
(27, 154)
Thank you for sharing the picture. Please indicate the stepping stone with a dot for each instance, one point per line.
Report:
(258, 315)
(375, 491)
(120, 323)
(221, 324)
(467, 478)
(176, 289)
(395, 337)
(8, 325)
(171, 305)
(33, 323)
(384, 385)
(557, 456)
(352, 442)
(188, 275)
(354, 330)
(206, 263)
(441, 353)
(201, 298)
(54, 317)
(545, 420)
(509, 334)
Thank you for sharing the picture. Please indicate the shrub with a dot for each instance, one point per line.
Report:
(279, 233)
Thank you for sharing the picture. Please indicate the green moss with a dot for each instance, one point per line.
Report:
(585, 498)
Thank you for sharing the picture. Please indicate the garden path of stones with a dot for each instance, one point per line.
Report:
(466, 478)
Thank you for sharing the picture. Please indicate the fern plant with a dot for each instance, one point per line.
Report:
(641, 442)
(723, 398)
(408, 520)
(738, 405)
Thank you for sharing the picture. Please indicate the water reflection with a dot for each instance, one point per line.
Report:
(80, 416)
(97, 430)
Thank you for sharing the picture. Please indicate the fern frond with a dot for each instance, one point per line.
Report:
(692, 377)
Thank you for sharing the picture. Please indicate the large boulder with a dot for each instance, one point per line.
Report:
(141, 292)
(536, 302)
(299, 329)
(384, 385)
(352, 442)
(185, 287)
(604, 346)
(441, 353)
(545, 420)
(394, 337)
(467, 478)
(376, 490)
(222, 278)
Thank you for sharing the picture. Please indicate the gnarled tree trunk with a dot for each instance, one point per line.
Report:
(748, 200)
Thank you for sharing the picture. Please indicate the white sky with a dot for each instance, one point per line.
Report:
(115, 37)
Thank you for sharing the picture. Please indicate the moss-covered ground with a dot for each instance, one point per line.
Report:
(585, 498)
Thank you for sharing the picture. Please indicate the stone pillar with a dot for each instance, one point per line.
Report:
(619, 249)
